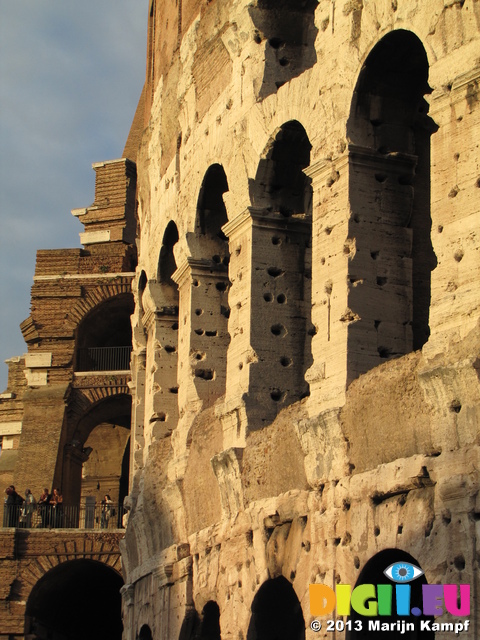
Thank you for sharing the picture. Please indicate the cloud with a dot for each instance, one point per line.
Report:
(70, 78)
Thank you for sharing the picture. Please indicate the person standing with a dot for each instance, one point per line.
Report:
(28, 509)
(56, 502)
(107, 503)
(45, 509)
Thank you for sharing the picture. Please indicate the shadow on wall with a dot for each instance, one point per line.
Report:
(288, 27)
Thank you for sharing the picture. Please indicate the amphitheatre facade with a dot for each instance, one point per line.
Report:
(289, 251)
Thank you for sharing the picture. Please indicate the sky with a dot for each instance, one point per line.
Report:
(71, 74)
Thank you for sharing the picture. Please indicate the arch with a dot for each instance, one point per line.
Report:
(94, 461)
(210, 627)
(104, 336)
(373, 573)
(145, 633)
(281, 196)
(389, 188)
(142, 284)
(76, 599)
(211, 211)
(280, 183)
(276, 613)
(166, 261)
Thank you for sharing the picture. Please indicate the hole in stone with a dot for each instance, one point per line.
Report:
(276, 395)
(376, 323)
(283, 62)
(205, 374)
(337, 541)
(453, 192)
(161, 417)
(196, 283)
(458, 255)
(198, 312)
(459, 562)
(455, 406)
(346, 505)
(275, 272)
(257, 37)
(199, 356)
(199, 332)
(238, 251)
(216, 259)
(275, 43)
(356, 562)
(440, 228)
(210, 334)
(322, 260)
(381, 281)
(220, 286)
(328, 230)
(281, 298)
(312, 331)
(285, 362)
(356, 218)
(276, 240)
(400, 529)
(240, 366)
(225, 311)
(380, 177)
(446, 516)
(384, 352)
(175, 326)
(174, 390)
(477, 183)
(267, 297)
(169, 348)
(376, 531)
(278, 329)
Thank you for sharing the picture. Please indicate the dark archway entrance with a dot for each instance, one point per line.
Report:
(276, 613)
(77, 600)
(373, 573)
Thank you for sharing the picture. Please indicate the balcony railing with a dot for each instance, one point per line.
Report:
(103, 358)
(84, 516)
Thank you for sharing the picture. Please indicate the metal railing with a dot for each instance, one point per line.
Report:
(103, 358)
(84, 516)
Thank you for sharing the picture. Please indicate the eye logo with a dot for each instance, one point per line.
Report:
(403, 572)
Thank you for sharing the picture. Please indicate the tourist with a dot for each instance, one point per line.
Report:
(45, 509)
(27, 509)
(107, 511)
(56, 502)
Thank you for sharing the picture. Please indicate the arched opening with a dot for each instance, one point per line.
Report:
(161, 389)
(206, 293)
(276, 613)
(166, 262)
(210, 627)
(145, 633)
(142, 284)
(104, 337)
(96, 466)
(390, 272)
(281, 195)
(373, 573)
(75, 600)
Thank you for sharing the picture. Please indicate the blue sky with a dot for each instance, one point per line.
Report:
(71, 74)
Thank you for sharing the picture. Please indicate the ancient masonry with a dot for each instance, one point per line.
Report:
(289, 256)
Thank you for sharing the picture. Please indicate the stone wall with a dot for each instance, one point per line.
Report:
(336, 413)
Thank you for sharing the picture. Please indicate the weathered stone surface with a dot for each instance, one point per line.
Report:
(305, 368)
